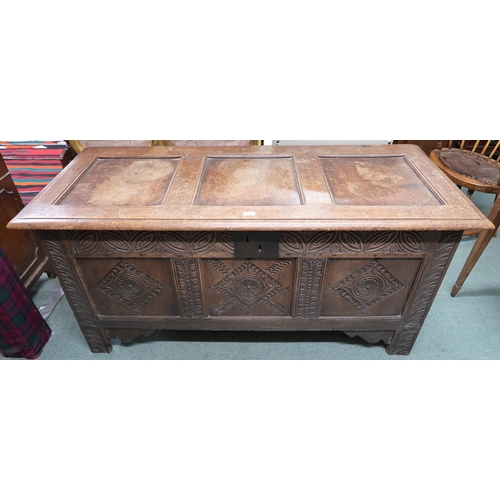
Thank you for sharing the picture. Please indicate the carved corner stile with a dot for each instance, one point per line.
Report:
(94, 334)
(433, 274)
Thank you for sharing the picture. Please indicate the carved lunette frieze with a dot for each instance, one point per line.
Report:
(309, 291)
(404, 339)
(309, 243)
(152, 242)
(203, 243)
(75, 294)
(189, 287)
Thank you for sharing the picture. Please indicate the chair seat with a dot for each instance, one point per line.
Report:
(472, 165)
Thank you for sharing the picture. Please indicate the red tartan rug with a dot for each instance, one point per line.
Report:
(32, 164)
(23, 331)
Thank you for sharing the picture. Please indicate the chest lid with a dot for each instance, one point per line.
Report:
(388, 187)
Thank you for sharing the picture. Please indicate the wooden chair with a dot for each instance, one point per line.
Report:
(474, 165)
(482, 241)
(467, 167)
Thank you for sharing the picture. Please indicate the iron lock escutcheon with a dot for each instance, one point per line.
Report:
(256, 244)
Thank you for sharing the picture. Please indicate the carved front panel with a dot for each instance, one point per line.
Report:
(194, 274)
(171, 277)
(131, 286)
(248, 287)
(354, 287)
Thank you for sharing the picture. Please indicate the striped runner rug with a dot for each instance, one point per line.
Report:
(32, 164)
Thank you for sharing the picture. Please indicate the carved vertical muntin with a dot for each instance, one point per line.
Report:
(188, 283)
(308, 288)
(427, 287)
(95, 335)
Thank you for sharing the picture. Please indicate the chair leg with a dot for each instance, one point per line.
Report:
(495, 235)
(482, 241)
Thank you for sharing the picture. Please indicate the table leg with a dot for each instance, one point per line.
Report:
(482, 241)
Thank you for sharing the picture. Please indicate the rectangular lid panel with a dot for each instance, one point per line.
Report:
(240, 181)
(375, 181)
(123, 182)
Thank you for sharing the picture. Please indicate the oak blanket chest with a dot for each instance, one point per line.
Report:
(352, 239)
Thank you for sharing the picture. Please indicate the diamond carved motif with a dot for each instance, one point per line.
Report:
(368, 286)
(130, 286)
(248, 286)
